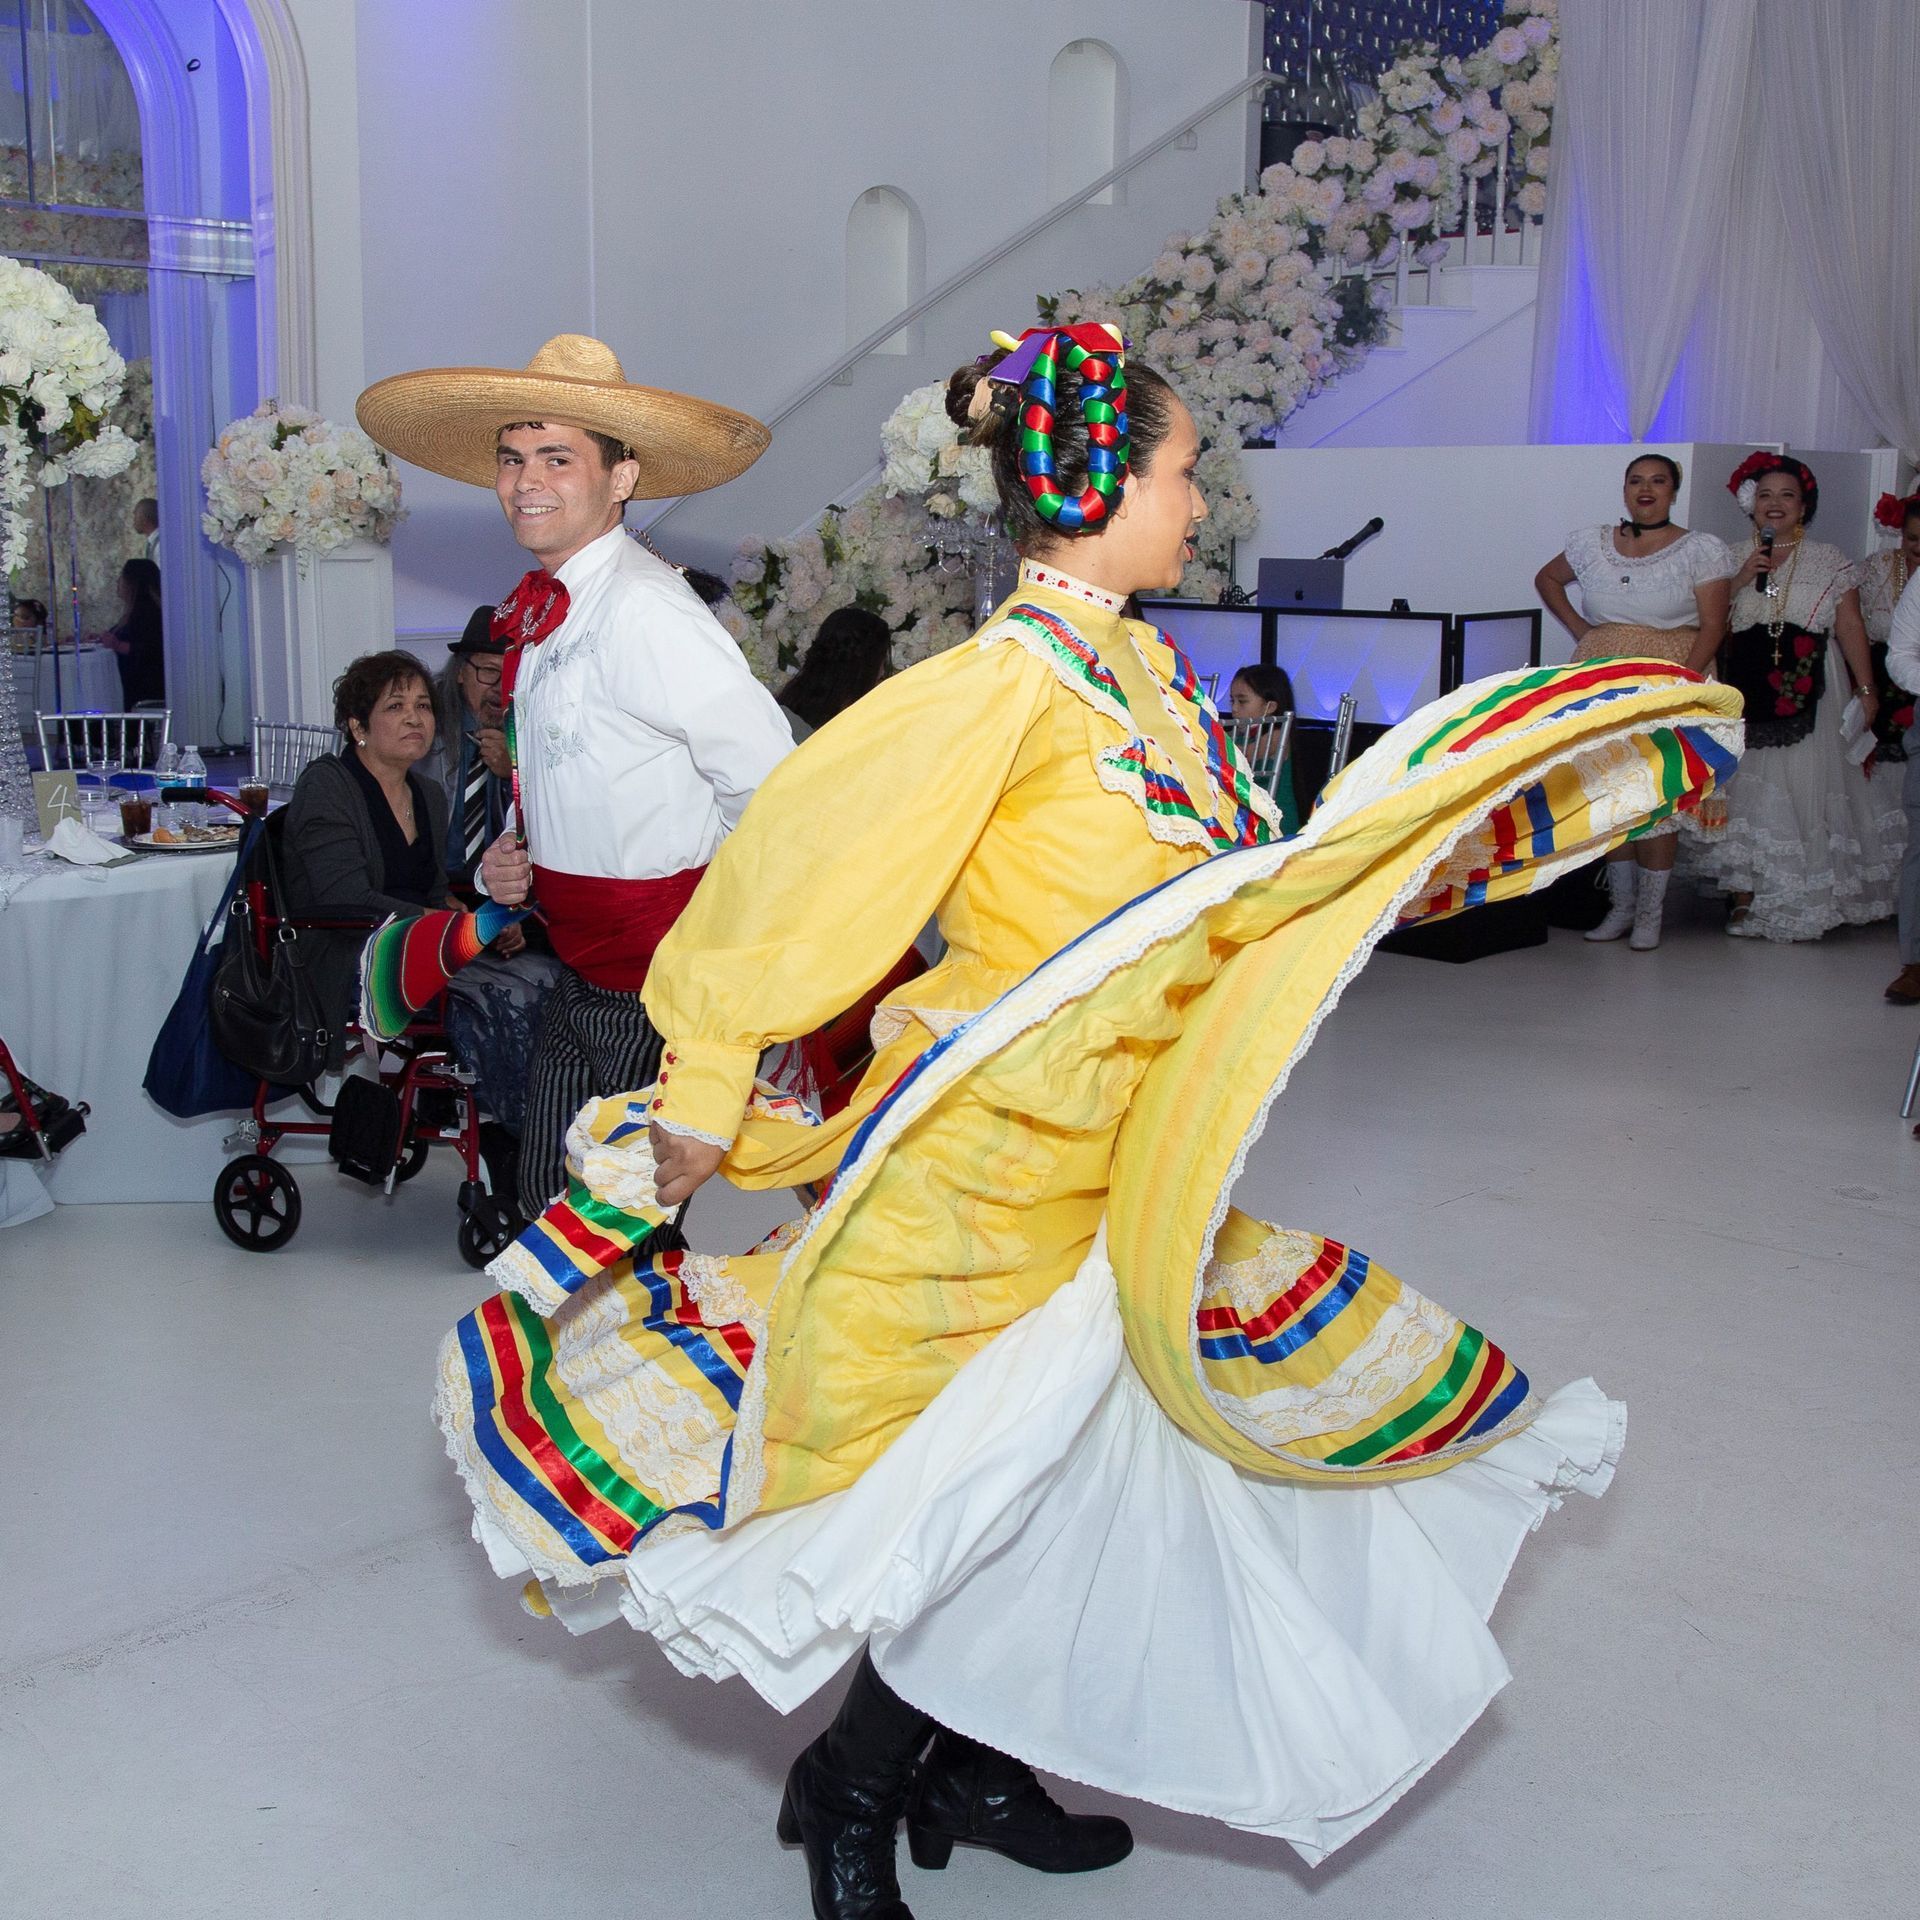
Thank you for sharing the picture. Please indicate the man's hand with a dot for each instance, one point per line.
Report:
(681, 1165)
(507, 870)
(509, 941)
(493, 751)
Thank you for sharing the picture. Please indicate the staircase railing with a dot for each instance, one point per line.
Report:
(836, 372)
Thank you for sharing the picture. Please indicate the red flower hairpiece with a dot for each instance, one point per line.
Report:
(1891, 511)
(1747, 475)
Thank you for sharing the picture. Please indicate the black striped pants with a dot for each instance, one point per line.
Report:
(592, 1040)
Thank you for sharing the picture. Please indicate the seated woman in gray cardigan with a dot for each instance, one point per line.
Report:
(365, 835)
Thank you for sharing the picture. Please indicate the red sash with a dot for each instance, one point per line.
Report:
(607, 930)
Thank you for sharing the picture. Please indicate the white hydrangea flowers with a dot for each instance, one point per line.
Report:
(59, 378)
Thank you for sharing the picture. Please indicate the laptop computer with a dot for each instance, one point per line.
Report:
(1302, 583)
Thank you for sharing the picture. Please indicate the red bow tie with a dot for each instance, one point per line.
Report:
(531, 611)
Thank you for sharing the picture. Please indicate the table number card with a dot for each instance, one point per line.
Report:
(56, 797)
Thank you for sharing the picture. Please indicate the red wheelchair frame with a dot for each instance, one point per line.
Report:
(256, 1198)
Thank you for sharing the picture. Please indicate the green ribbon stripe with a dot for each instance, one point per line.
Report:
(1423, 1413)
(1486, 706)
(592, 1466)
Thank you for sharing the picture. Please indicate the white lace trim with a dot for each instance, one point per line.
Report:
(1034, 574)
(1407, 1339)
(893, 1019)
(688, 1133)
(1116, 775)
(515, 1539)
(723, 1301)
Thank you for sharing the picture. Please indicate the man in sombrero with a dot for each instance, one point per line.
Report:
(637, 731)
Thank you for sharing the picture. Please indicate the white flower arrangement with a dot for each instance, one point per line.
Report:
(59, 378)
(281, 476)
(925, 458)
(1273, 300)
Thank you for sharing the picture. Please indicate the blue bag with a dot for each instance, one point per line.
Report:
(187, 1075)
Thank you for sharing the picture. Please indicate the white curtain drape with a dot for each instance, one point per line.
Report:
(1651, 101)
(1725, 254)
(1841, 89)
(85, 109)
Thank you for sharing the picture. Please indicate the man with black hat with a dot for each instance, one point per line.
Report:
(472, 743)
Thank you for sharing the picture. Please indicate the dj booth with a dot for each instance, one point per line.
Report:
(1392, 662)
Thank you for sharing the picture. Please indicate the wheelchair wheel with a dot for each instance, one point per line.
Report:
(257, 1203)
(487, 1229)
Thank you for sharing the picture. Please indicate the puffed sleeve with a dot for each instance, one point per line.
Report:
(1583, 550)
(845, 852)
(1710, 558)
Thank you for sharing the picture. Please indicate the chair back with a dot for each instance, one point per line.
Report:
(1264, 744)
(283, 750)
(101, 741)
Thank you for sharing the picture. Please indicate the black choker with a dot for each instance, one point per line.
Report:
(1653, 526)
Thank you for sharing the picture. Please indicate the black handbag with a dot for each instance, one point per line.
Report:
(266, 1014)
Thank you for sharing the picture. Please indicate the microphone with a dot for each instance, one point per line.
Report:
(1345, 547)
(1766, 547)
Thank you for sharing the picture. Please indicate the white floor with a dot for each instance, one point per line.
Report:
(253, 1666)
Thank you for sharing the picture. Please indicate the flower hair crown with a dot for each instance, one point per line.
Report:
(1744, 481)
(1097, 353)
(1891, 510)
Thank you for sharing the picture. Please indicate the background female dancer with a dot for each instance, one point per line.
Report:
(1648, 590)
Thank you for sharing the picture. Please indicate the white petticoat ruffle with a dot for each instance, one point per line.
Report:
(1045, 1562)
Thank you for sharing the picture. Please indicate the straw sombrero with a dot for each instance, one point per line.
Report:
(445, 418)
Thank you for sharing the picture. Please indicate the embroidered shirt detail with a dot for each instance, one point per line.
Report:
(1137, 768)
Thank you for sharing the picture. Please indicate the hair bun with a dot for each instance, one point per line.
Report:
(980, 408)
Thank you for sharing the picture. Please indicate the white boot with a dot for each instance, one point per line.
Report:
(1646, 913)
(1623, 877)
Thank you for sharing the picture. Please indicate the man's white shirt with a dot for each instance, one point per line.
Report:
(641, 733)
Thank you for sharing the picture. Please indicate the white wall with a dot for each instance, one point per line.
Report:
(677, 180)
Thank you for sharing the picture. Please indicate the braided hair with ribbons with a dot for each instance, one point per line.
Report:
(1068, 423)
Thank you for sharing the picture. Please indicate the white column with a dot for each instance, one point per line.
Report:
(307, 626)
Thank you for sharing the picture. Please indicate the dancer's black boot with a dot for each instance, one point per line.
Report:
(845, 1795)
(975, 1796)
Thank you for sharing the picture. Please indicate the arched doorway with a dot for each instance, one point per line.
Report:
(1086, 120)
(886, 265)
(167, 118)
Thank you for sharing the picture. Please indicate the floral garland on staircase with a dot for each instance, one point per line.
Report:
(1280, 294)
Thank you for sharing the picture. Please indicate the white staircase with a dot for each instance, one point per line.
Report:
(1453, 371)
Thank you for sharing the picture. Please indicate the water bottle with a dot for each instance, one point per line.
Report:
(192, 772)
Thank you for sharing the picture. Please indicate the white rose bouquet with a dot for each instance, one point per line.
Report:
(59, 379)
(282, 476)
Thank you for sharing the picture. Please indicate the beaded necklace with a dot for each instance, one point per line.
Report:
(1777, 623)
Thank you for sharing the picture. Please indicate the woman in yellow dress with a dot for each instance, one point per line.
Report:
(1248, 1498)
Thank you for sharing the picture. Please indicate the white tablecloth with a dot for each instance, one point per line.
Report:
(90, 684)
(91, 968)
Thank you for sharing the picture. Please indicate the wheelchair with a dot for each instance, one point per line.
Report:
(379, 1130)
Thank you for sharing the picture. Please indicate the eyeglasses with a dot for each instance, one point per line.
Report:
(487, 676)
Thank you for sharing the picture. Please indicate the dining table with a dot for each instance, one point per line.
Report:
(93, 960)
